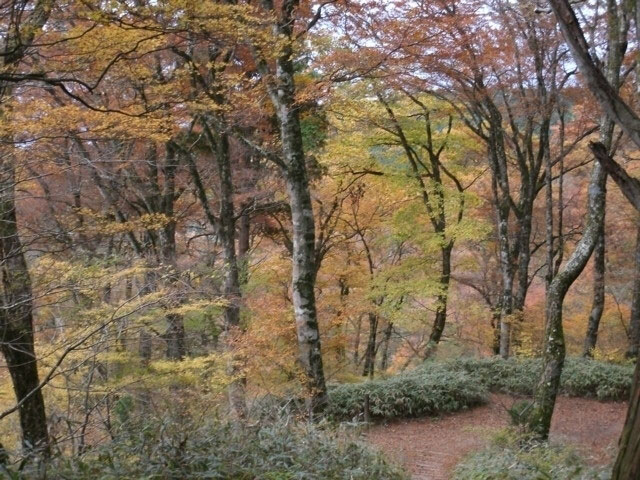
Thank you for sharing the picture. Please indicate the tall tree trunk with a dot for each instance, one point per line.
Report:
(16, 300)
(598, 295)
(441, 300)
(627, 465)
(496, 326)
(282, 94)
(227, 235)
(370, 353)
(386, 341)
(16, 319)
(232, 277)
(634, 322)
(244, 242)
(599, 257)
(304, 265)
(506, 300)
(554, 347)
(524, 256)
(281, 87)
(502, 201)
(175, 333)
(550, 244)
(175, 337)
(356, 341)
(500, 189)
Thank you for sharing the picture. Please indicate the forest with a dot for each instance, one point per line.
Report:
(320, 239)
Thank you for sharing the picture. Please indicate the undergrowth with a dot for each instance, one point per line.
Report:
(285, 450)
(441, 387)
(430, 390)
(580, 377)
(514, 457)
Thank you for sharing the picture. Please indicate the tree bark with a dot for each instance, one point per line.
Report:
(16, 320)
(356, 341)
(495, 326)
(244, 240)
(175, 337)
(227, 236)
(627, 465)
(281, 88)
(554, 347)
(598, 295)
(441, 299)
(597, 307)
(225, 226)
(370, 353)
(16, 301)
(524, 252)
(304, 265)
(384, 360)
(634, 322)
(501, 189)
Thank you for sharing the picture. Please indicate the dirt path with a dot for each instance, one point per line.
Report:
(431, 447)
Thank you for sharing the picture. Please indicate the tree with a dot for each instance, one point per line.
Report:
(281, 86)
(25, 21)
(627, 463)
(506, 89)
(554, 346)
(634, 321)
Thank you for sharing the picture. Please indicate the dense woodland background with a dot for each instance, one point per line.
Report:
(223, 212)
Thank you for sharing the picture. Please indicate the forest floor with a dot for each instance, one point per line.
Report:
(430, 448)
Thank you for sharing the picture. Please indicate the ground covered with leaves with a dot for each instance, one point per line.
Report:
(584, 433)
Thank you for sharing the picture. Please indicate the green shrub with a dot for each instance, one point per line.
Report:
(516, 458)
(580, 377)
(429, 390)
(514, 376)
(591, 378)
(171, 450)
(436, 388)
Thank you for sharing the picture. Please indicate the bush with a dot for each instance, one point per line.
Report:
(281, 451)
(591, 378)
(580, 377)
(436, 388)
(516, 458)
(430, 390)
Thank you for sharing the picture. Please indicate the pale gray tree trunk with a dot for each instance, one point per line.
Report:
(281, 88)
